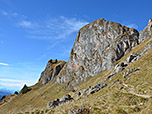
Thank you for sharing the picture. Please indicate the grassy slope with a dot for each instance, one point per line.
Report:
(114, 99)
(38, 98)
(118, 99)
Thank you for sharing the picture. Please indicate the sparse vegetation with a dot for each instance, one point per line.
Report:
(123, 97)
(121, 111)
(27, 112)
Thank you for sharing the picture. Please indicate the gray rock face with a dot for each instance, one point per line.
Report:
(92, 89)
(147, 32)
(81, 92)
(51, 71)
(57, 102)
(119, 67)
(114, 82)
(54, 103)
(97, 46)
(132, 57)
(122, 65)
(66, 98)
(95, 88)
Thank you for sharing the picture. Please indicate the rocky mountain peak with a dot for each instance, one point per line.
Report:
(97, 46)
(51, 71)
(150, 21)
(146, 32)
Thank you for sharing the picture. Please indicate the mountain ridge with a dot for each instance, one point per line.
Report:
(93, 43)
(127, 89)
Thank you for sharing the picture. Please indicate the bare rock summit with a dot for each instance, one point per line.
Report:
(146, 32)
(97, 46)
(51, 71)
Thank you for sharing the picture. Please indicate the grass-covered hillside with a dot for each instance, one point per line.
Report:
(130, 95)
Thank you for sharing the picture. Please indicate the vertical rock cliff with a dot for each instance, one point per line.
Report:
(51, 71)
(146, 32)
(97, 46)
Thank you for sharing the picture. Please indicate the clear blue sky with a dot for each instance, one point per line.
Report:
(34, 31)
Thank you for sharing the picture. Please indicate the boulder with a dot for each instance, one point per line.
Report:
(132, 57)
(97, 46)
(66, 98)
(81, 92)
(95, 88)
(54, 103)
(119, 67)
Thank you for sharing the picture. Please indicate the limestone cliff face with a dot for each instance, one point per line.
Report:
(97, 46)
(146, 32)
(51, 71)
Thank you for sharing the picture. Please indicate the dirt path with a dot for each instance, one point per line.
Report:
(132, 92)
(139, 95)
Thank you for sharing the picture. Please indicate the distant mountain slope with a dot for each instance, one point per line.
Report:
(4, 92)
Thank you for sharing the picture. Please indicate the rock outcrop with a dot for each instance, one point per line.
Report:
(25, 89)
(146, 32)
(51, 71)
(62, 100)
(130, 59)
(92, 89)
(97, 46)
